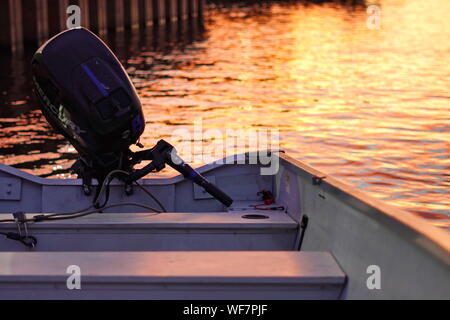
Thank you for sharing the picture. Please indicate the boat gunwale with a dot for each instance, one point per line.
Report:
(415, 228)
(77, 182)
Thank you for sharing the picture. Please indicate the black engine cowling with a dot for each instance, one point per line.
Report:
(88, 97)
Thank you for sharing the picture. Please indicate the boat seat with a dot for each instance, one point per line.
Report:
(171, 231)
(172, 275)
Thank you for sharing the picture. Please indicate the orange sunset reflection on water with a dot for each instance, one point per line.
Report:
(371, 107)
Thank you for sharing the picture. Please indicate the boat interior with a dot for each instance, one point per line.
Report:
(294, 234)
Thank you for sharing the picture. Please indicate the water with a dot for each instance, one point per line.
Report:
(371, 107)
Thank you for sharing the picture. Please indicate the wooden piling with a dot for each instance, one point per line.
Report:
(116, 15)
(35, 18)
(201, 8)
(97, 17)
(193, 9)
(147, 17)
(42, 21)
(171, 11)
(119, 13)
(183, 20)
(85, 19)
(131, 14)
(183, 8)
(17, 27)
(11, 26)
(159, 9)
(57, 16)
(102, 17)
(134, 14)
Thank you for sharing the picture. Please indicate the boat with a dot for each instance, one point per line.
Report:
(296, 234)
(241, 228)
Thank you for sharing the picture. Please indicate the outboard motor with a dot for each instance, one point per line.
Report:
(88, 97)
